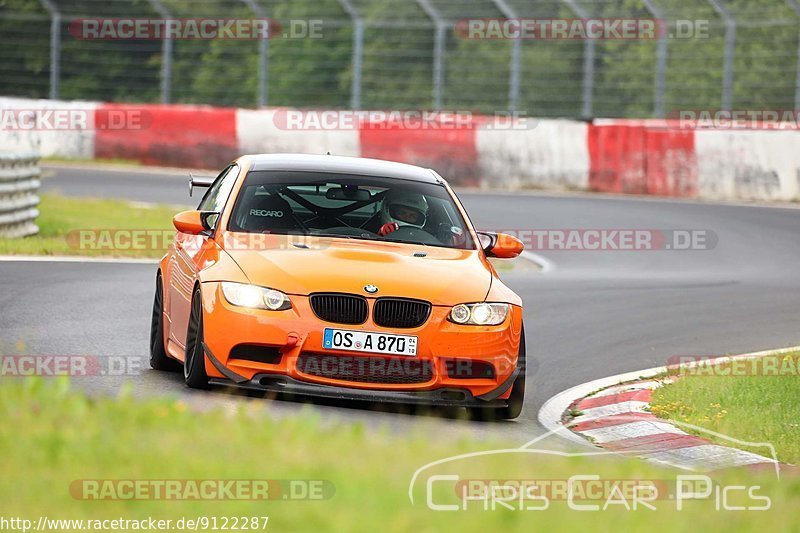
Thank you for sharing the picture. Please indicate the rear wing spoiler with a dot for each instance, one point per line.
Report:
(199, 181)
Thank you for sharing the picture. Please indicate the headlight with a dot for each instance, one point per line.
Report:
(255, 297)
(479, 314)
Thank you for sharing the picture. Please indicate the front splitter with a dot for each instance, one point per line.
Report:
(445, 397)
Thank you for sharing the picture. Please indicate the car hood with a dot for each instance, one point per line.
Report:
(443, 276)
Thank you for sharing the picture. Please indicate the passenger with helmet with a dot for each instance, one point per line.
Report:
(401, 208)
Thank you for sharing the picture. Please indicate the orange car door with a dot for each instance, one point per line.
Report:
(190, 254)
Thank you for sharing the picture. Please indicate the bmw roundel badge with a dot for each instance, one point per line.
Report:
(372, 289)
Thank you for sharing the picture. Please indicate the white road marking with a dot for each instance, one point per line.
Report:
(544, 264)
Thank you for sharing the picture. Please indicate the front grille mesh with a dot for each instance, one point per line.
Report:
(400, 312)
(379, 370)
(340, 308)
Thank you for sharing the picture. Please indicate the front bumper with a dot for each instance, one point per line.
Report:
(445, 397)
(298, 331)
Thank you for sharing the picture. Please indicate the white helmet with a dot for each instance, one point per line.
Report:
(404, 208)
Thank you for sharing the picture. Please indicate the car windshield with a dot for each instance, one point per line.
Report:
(356, 207)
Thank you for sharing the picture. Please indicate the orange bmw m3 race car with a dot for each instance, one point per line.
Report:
(344, 278)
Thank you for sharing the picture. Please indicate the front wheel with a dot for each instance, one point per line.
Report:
(159, 360)
(515, 401)
(194, 364)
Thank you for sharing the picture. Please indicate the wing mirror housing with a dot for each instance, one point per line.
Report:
(195, 222)
(500, 245)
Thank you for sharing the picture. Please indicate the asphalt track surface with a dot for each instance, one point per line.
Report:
(595, 314)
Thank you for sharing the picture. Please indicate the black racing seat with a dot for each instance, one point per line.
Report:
(269, 212)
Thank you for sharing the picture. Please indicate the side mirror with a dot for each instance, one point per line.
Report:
(194, 222)
(500, 245)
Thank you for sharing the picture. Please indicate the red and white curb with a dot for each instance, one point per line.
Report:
(613, 413)
(617, 419)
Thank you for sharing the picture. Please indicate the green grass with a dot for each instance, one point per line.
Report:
(96, 162)
(51, 436)
(753, 408)
(62, 217)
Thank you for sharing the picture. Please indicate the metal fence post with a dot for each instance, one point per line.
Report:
(516, 49)
(55, 48)
(358, 48)
(794, 4)
(659, 87)
(263, 56)
(166, 55)
(438, 51)
(730, 44)
(263, 70)
(589, 49)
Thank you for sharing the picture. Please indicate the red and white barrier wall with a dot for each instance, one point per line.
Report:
(548, 154)
(71, 142)
(748, 164)
(654, 157)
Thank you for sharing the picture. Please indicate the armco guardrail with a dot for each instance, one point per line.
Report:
(19, 188)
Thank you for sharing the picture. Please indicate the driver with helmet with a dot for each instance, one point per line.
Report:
(400, 208)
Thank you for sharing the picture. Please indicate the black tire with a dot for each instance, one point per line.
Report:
(159, 360)
(194, 364)
(515, 401)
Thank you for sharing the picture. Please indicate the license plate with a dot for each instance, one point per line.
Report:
(368, 341)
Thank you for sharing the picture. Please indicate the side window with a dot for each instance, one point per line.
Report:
(218, 193)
